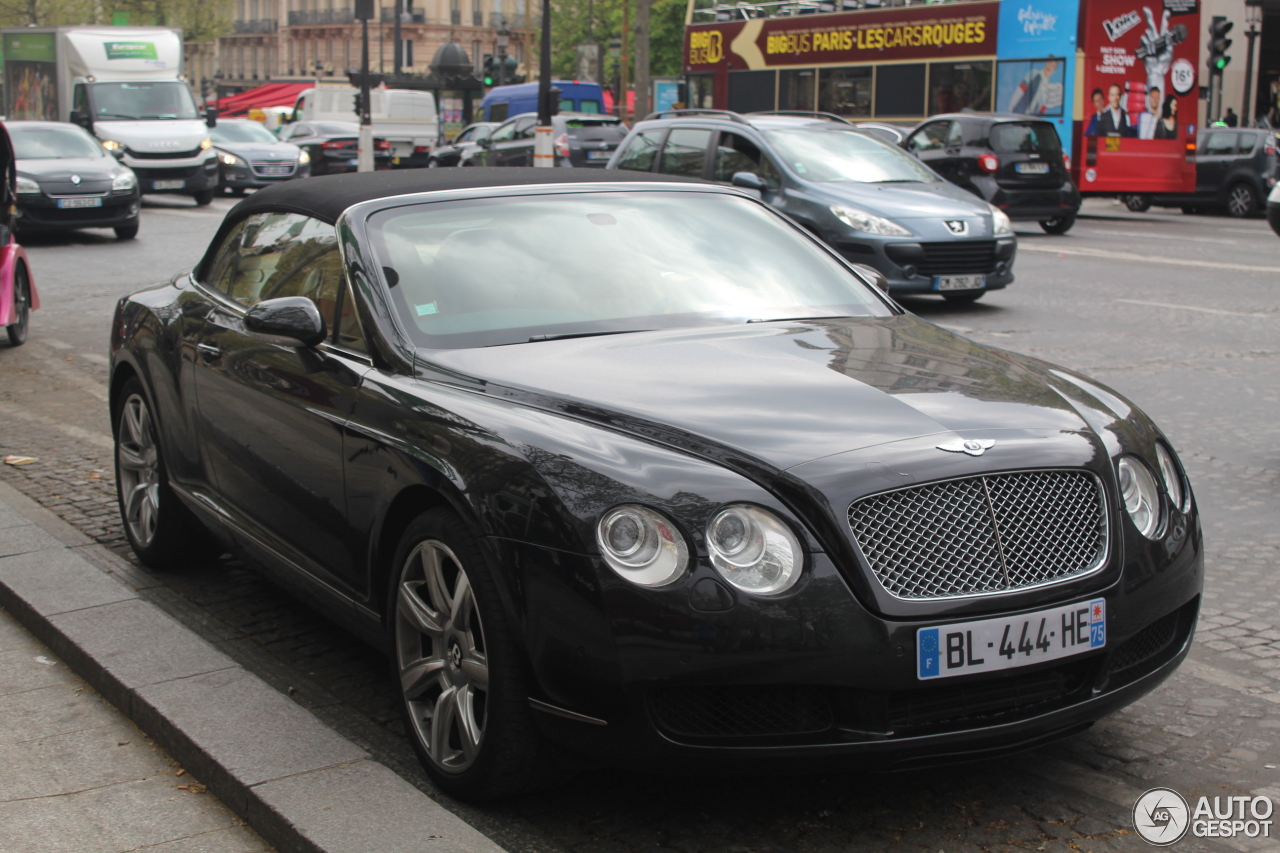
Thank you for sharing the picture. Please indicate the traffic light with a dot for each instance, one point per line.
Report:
(1218, 44)
(488, 70)
(356, 109)
(553, 101)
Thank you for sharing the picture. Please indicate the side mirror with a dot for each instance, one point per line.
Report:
(749, 181)
(118, 153)
(211, 116)
(290, 320)
(875, 276)
(83, 119)
(485, 143)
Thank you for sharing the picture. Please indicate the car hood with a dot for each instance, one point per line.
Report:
(907, 200)
(88, 168)
(784, 393)
(260, 150)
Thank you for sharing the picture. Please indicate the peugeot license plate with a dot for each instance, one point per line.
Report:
(276, 170)
(80, 202)
(1031, 168)
(168, 185)
(959, 282)
(988, 645)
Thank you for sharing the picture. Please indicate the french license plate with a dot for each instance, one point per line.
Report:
(1031, 168)
(994, 644)
(959, 282)
(276, 170)
(79, 202)
(599, 155)
(168, 185)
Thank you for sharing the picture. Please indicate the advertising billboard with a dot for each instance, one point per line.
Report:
(31, 75)
(1036, 65)
(1137, 127)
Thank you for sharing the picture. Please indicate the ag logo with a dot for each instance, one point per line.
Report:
(957, 226)
(1161, 816)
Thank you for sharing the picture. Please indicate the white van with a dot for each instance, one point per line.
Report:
(405, 118)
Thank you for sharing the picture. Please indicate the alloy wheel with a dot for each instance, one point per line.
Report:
(441, 656)
(1240, 202)
(139, 461)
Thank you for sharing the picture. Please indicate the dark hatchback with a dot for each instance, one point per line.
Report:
(333, 147)
(449, 155)
(727, 507)
(1235, 171)
(1013, 162)
(67, 181)
(581, 140)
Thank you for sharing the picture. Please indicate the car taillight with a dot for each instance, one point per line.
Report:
(562, 145)
(988, 162)
(421, 149)
(1271, 146)
(335, 143)
(1066, 162)
(381, 144)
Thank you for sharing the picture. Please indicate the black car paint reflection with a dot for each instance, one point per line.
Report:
(314, 459)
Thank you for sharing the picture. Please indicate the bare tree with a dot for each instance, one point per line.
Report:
(643, 68)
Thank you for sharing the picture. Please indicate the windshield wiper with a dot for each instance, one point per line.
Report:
(539, 338)
(796, 319)
(115, 115)
(901, 181)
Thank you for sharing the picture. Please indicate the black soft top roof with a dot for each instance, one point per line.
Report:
(327, 197)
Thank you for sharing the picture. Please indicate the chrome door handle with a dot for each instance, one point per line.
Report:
(208, 351)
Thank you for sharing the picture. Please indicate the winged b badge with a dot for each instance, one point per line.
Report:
(971, 446)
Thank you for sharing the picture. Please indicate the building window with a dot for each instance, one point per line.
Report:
(955, 86)
(845, 91)
(455, 12)
(900, 90)
(796, 89)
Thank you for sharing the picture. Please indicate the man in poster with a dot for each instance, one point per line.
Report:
(1114, 121)
(1150, 117)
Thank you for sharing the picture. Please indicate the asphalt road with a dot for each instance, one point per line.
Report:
(1181, 314)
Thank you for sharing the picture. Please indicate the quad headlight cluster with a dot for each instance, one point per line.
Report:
(1141, 494)
(751, 548)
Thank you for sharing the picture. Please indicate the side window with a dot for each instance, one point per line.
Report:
(931, 137)
(736, 153)
(1247, 143)
(641, 151)
(524, 128)
(300, 130)
(498, 112)
(505, 132)
(685, 152)
(350, 335)
(224, 261)
(1220, 142)
(955, 136)
(275, 257)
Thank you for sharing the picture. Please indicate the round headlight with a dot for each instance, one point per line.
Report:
(754, 550)
(1169, 474)
(228, 159)
(641, 545)
(1138, 491)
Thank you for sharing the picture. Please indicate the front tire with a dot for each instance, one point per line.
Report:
(160, 529)
(1242, 200)
(1059, 224)
(462, 683)
(203, 198)
(17, 331)
(127, 232)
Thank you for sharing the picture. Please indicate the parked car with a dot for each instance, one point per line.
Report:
(581, 141)
(1235, 171)
(1014, 162)
(251, 157)
(333, 146)
(874, 203)
(448, 155)
(67, 180)
(726, 506)
(1273, 209)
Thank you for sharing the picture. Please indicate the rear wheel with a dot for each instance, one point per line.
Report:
(963, 298)
(432, 163)
(17, 330)
(1058, 225)
(1136, 202)
(1242, 200)
(462, 683)
(160, 529)
(203, 197)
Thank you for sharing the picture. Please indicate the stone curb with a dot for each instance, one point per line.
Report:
(303, 787)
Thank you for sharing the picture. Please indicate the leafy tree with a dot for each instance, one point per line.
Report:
(571, 19)
(200, 20)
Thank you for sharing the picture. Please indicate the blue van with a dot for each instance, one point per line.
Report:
(501, 102)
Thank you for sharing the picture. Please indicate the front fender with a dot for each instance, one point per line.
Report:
(10, 256)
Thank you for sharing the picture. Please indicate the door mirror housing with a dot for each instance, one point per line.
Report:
(83, 119)
(290, 320)
(211, 116)
(748, 181)
(118, 153)
(874, 276)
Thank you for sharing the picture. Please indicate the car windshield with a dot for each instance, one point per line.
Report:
(238, 131)
(499, 271)
(53, 143)
(1038, 137)
(851, 156)
(128, 101)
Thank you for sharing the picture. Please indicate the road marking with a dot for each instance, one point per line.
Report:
(1146, 259)
(1145, 235)
(1196, 308)
(19, 412)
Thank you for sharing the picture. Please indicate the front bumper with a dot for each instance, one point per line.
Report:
(156, 176)
(248, 176)
(43, 214)
(910, 266)
(1036, 204)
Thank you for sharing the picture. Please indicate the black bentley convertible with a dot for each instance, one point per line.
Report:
(624, 469)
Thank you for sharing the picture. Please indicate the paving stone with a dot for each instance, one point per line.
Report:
(58, 581)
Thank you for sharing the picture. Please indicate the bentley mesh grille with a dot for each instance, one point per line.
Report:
(740, 711)
(983, 535)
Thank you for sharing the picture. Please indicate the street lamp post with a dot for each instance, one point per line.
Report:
(615, 51)
(364, 158)
(504, 39)
(1253, 16)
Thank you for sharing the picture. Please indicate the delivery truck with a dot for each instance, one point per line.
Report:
(405, 118)
(124, 85)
